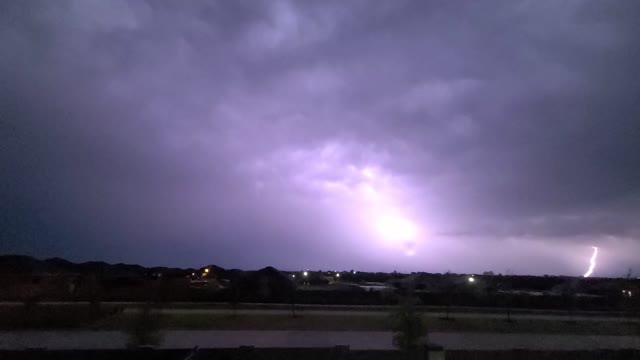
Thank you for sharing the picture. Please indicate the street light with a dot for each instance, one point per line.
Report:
(293, 276)
(338, 275)
(471, 279)
(305, 273)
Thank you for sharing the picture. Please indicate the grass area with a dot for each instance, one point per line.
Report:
(379, 323)
(84, 317)
(47, 317)
(498, 325)
(258, 322)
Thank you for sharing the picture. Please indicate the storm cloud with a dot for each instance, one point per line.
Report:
(408, 135)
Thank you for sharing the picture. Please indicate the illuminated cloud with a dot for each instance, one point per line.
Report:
(351, 134)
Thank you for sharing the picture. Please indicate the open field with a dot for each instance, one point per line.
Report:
(255, 307)
(109, 317)
(378, 323)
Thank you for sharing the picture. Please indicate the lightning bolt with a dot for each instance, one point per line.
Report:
(592, 264)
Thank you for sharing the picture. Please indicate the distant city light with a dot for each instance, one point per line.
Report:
(206, 270)
(193, 274)
(293, 275)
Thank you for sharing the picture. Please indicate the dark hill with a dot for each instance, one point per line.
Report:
(26, 265)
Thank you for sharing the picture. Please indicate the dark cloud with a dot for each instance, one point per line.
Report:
(281, 133)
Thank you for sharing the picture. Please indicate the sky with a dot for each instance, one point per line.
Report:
(462, 136)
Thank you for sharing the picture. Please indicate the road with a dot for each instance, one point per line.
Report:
(372, 340)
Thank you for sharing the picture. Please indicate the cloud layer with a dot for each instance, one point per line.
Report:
(495, 136)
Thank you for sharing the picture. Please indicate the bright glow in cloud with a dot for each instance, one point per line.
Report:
(352, 180)
(396, 228)
(592, 264)
(368, 173)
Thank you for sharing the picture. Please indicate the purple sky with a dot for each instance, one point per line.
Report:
(388, 135)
